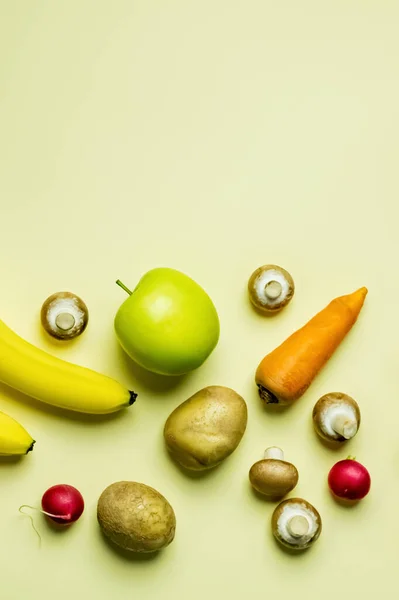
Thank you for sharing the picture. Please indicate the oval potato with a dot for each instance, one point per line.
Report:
(206, 428)
(136, 517)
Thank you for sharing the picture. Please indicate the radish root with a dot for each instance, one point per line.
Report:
(31, 519)
(65, 517)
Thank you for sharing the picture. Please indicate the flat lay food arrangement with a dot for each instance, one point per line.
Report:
(170, 326)
(199, 323)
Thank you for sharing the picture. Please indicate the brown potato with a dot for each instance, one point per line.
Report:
(136, 517)
(206, 428)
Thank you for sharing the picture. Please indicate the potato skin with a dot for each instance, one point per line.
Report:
(136, 517)
(206, 428)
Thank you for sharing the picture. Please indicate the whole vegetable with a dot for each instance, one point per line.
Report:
(63, 504)
(273, 476)
(349, 479)
(285, 374)
(270, 288)
(296, 523)
(336, 417)
(207, 428)
(136, 517)
(64, 315)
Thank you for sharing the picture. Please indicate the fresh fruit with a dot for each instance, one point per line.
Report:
(63, 504)
(349, 480)
(296, 524)
(14, 439)
(168, 324)
(206, 428)
(64, 316)
(270, 288)
(336, 417)
(54, 381)
(136, 517)
(285, 374)
(273, 476)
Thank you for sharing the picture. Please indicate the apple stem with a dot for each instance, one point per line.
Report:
(122, 285)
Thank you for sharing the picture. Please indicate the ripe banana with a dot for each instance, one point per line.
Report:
(14, 439)
(49, 379)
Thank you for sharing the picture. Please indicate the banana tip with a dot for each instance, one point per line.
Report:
(133, 397)
(31, 446)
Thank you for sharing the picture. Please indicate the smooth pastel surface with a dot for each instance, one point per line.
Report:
(212, 137)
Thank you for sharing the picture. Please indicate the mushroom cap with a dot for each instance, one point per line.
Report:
(330, 406)
(273, 477)
(279, 283)
(298, 509)
(64, 315)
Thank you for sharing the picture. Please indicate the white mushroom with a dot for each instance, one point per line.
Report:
(64, 315)
(336, 417)
(296, 524)
(270, 288)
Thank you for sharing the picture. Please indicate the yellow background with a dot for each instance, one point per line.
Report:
(212, 137)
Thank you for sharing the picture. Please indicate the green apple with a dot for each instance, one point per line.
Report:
(168, 324)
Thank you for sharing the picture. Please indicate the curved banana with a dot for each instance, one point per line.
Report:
(14, 439)
(49, 379)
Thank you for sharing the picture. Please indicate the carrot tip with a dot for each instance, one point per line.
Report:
(355, 300)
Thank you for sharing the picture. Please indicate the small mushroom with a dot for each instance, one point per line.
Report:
(273, 476)
(296, 524)
(336, 417)
(64, 315)
(270, 288)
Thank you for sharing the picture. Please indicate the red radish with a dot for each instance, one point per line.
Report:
(349, 479)
(63, 504)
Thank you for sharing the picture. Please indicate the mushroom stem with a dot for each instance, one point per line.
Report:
(273, 289)
(274, 452)
(344, 426)
(122, 285)
(298, 526)
(65, 321)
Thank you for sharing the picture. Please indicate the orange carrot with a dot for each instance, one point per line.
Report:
(287, 372)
